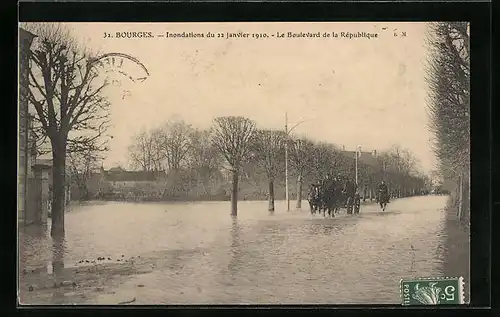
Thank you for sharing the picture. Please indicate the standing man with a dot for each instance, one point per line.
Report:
(383, 190)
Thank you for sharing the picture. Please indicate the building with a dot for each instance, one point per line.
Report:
(121, 178)
(119, 182)
(47, 177)
(25, 171)
(367, 158)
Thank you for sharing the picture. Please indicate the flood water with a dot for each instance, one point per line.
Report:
(201, 255)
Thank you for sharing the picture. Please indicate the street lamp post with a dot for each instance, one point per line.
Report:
(287, 133)
(356, 162)
(286, 164)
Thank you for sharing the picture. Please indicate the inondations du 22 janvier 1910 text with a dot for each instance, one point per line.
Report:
(242, 35)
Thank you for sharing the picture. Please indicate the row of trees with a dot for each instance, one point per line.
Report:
(237, 145)
(448, 76)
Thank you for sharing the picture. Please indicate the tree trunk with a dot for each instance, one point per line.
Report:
(460, 196)
(234, 194)
(86, 194)
(466, 200)
(58, 189)
(173, 179)
(299, 192)
(271, 195)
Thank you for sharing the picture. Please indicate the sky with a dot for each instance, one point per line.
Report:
(351, 92)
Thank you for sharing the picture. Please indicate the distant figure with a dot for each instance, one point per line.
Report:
(383, 190)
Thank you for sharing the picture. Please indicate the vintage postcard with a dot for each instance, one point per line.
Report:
(244, 163)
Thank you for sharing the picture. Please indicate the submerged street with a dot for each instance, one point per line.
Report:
(195, 253)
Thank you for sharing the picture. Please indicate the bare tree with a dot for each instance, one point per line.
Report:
(204, 162)
(81, 165)
(449, 102)
(448, 76)
(399, 166)
(402, 159)
(158, 156)
(269, 149)
(141, 151)
(175, 143)
(301, 159)
(203, 156)
(320, 160)
(231, 136)
(328, 160)
(68, 103)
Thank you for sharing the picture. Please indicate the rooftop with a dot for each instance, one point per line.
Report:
(118, 174)
(368, 158)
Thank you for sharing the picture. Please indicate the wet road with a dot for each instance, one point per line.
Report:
(198, 254)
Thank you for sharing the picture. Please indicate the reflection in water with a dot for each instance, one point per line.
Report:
(235, 249)
(235, 264)
(334, 227)
(58, 250)
(34, 251)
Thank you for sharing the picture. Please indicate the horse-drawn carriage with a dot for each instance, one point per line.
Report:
(329, 199)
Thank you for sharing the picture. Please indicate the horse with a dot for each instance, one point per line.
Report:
(329, 199)
(320, 199)
(314, 198)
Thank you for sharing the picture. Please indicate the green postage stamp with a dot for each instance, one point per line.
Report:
(432, 291)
